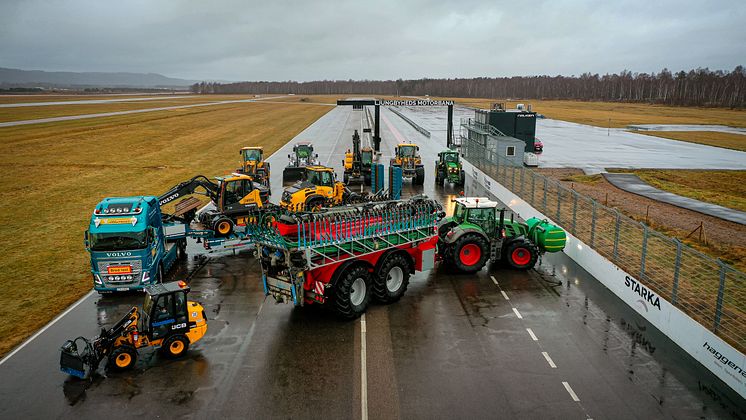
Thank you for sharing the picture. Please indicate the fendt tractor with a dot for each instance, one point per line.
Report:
(254, 165)
(317, 189)
(133, 243)
(302, 156)
(478, 232)
(448, 168)
(168, 322)
(357, 163)
(407, 157)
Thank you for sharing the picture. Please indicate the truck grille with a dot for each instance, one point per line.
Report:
(104, 265)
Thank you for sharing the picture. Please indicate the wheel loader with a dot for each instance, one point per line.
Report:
(254, 165)
(167, 322)
(406, 156)
(317, 189)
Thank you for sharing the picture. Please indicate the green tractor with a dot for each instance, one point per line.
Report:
(448, 168)
(478, 232)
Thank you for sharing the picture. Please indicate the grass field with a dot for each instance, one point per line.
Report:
(710, 138)
(725, 188)
(7, 99)
(53, 174)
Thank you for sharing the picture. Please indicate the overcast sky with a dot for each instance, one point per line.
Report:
(338, 39)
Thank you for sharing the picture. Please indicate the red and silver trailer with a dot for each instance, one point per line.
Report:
(346, 256)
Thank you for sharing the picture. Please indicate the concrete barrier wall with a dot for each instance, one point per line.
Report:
(716, 355)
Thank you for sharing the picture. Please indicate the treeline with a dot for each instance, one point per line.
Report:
(700, 87)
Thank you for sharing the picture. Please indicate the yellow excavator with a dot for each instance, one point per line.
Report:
(317, 189)
(254, 165)
(167, 322)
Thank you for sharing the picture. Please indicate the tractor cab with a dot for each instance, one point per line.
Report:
(304, 153)
(252, 154)
(165, 310)
(450, 156)
(479, 211)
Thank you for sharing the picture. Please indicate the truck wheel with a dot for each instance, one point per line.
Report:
(392, 279)
(175, 346)
(122, 358)
(223, 226)
(471, 252)
(352, 292)
(522, 254)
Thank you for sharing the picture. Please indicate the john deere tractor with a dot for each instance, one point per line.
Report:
(317, 189)
(448, 168)
(302, 156)
(478, 232)
(408, 158)
(167, 322)
(254, 165)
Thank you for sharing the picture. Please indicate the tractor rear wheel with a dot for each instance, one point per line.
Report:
(392, 279)
(175, 346)
(352, 292)
(522, 254)
(122, 358)
(470, 252)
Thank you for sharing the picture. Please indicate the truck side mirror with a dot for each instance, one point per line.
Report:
(418, 148)
(317, 155)
(396, 150)
(85, 240)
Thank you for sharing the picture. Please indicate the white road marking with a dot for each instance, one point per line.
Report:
(549, 360)
(494, 280)
(531, 333)
(505, 295)
(46, 327)
(363, 371)
(572, 393)
(518, 314)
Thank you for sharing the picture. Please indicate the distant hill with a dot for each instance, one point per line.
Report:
(38, 78)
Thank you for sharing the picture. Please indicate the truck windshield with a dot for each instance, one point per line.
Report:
(406, 151)
(118, 241)
(252, 155)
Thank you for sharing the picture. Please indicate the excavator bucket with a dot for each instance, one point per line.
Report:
(292, 173)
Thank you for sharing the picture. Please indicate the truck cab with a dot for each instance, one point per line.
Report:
(127, 241)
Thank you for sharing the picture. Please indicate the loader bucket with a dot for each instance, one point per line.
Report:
(71, 362)
(292, 173)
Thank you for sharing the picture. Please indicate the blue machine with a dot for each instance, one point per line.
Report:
(395, 182)
(376, 173)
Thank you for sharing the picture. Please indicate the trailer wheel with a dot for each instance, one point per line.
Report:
(122, 358)
(175, 346)
(392, 279)
(522, 254)
(471, 252)
(352, 292)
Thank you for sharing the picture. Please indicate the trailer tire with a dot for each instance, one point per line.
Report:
(175, 346)
(122, 358)
(521, 254)
(470, 253)
(391, 279)
(352, 292)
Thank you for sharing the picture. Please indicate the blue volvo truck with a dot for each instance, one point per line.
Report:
(130, 245)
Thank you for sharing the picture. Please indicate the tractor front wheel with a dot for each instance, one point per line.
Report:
(122, 358)
(471, 252)
(522, 254)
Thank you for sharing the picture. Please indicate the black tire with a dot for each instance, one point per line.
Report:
(222, 226)
(344, 305)
(122, 358)
(462, 178)
(419, 177)
(470, 252)
(367, 180)
(314, 204)
(175, 346)
(392, 279)
(521, 254)
(345, 179)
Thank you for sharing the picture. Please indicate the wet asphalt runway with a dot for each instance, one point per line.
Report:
(549, 343)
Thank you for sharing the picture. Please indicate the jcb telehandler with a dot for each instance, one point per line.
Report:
(302, 156)
(408, 158)
(317, 189)
(254, 165)
(167, 322)
(357, 163)
(478, 232)
(236, 198)
(448, 168)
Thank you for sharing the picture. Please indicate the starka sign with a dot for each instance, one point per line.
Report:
(413, 102)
